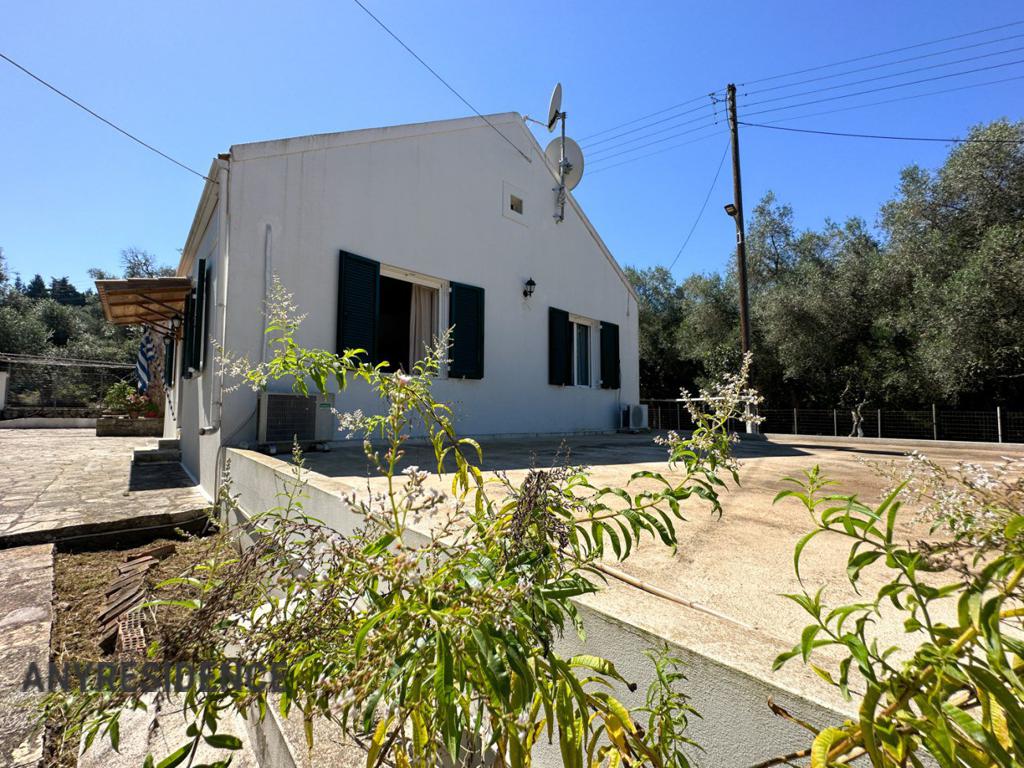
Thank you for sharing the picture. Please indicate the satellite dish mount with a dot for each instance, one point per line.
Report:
(565, 152)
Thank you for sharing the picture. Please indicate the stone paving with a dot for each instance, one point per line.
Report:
(58, 483)
(26, 594)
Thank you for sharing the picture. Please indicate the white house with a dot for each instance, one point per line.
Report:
(385, 237)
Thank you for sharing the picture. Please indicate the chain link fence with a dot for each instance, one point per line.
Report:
(994, 425)
(40, 386)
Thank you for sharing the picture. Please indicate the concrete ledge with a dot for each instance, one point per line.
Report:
(44, 422)
(866, 442)
(26, 596)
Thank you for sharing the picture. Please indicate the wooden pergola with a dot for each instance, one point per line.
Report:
(156, 302)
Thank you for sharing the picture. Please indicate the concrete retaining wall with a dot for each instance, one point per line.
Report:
(736, 729)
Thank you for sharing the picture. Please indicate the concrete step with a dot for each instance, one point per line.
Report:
(169, 443)
(279, 742)
(156, 456)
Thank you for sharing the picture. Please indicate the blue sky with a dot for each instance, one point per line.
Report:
(193, 78)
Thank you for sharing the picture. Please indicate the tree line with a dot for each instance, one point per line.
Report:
(56, 319)
(926, 306)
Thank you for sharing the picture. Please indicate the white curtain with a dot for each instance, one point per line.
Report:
(422, 321)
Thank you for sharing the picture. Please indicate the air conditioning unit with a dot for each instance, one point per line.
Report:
(634, 417)
(285, 417)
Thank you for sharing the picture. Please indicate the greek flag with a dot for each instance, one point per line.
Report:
(147, 351)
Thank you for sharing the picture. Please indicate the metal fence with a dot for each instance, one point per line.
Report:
(39, 384)
(994, 425)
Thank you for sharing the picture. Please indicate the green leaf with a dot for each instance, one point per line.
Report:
(177, 757)
(223, 741)
(822, 744)
(364, 630)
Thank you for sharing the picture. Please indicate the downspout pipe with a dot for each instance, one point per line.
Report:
(223, 235)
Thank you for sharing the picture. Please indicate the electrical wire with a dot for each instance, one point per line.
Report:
(900, 99)
(707, 121)
(444, 82)
(885, 53)
(655, 152)
(649, 125)
(880, 136)
(885, 77)
(102, 119)
(656, 141)
(886, 87)
(883, 65)
(652, 114)
(700, 213)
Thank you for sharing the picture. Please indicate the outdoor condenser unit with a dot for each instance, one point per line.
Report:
(287, 416)
(634, 417)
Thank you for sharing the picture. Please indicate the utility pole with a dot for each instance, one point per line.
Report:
(737, 215)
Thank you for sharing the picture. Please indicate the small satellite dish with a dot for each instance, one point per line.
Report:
(555, 106)
(573, 155)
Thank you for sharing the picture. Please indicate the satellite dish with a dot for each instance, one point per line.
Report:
(573, 156)
(555, 106)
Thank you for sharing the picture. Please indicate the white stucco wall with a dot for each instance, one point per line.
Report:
(428, 199)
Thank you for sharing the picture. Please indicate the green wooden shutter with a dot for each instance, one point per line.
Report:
(168, 361)
(200, 317)
(358, 304)
(466, 314)
(187, 334)
(559, 347)
(610, 378)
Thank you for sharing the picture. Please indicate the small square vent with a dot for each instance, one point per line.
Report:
(513, 203)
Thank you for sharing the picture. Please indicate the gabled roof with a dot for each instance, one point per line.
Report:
(518, 134)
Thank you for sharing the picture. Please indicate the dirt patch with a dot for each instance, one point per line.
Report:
(81, 579)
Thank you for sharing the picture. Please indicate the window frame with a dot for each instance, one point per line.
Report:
(590, 324)
(439, 284)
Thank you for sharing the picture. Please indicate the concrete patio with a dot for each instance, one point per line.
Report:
(62, 483)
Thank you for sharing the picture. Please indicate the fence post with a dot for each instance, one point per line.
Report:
(879, 422)
(679, 421)
(935, 424)
(999, 423)
(835, 423)
(796, 429)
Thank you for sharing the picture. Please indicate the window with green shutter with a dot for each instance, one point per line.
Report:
(197, 348)
(358, 304)
(610, 375)
(466, 314)
(560, 347)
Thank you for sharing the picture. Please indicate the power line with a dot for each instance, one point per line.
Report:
(883, 65)
(885, 53)
(657, 141)
(656, 152)
(102, 119)
(444, 82)
(900, 99)
(652, 114)
(707, 120)
(886, 77)
(649, 125)
(888, 87)
(702, 207)
(879, 136)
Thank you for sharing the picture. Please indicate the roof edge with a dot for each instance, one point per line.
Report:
(317, 141)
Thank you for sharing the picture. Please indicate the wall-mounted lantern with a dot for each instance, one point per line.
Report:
(528, 288)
